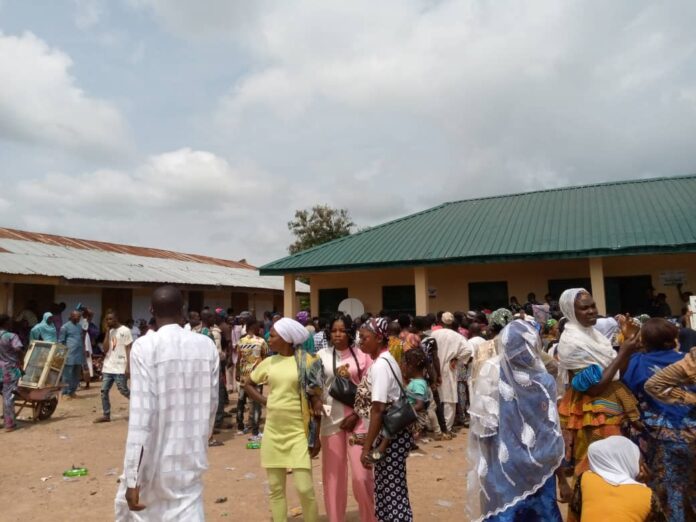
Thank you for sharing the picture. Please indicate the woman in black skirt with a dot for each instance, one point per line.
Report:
(379, 388)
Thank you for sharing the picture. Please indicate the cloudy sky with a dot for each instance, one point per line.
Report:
(201, 125)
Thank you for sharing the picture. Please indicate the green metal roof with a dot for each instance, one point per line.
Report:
(630, 217)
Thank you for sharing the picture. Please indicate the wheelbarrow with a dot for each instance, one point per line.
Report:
(39, 386)
(41, 401)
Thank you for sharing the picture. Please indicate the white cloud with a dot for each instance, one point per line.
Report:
(40, 102)
(384, 108)
(203, 19)
(182, 200)
(460, 99)
(88, 13)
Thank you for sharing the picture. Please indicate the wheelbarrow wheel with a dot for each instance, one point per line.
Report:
(47, 407)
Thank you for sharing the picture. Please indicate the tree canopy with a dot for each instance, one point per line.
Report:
(318, 225)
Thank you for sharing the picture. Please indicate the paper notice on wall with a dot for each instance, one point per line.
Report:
(692, 311)
(673, 277)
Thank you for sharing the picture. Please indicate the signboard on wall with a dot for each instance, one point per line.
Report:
(432, 292)
(673, 277)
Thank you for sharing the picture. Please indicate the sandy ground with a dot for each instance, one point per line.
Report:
(35, 456)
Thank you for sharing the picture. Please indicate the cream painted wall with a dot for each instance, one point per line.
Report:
(142, 298)
(653, 265)
(366, 286)
(451, 282)
(217, 299)
(259, 303)
(74, 295)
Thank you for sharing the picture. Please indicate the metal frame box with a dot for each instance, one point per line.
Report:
(43, 364)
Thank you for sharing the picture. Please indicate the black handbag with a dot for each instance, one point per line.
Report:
(400, 414)
(342, 389)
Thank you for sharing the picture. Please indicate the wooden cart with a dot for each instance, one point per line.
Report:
(40, 385)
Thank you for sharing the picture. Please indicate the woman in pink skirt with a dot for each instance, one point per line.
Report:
(342, 431)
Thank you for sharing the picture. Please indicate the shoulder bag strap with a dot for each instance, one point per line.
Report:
(356, 363)
(398, 381)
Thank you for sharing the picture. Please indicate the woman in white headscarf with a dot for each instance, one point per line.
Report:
(290, 437)
(611, 490)
(595, 403)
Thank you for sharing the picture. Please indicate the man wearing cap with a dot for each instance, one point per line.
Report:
(452, 347)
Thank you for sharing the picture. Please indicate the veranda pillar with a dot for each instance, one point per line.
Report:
(597, 278)
(289, 296)
(421, 283)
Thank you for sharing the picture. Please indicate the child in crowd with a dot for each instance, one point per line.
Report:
(252, 350)
(419, 395)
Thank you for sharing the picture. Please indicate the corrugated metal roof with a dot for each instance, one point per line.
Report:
(631, 217)
(57, 259)
(84, 244)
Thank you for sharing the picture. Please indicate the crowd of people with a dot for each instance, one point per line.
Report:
(559, 405)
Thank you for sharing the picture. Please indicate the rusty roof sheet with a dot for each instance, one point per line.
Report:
(24, 253)
(84, 244)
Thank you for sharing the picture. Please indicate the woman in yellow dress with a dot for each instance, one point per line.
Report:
(290, 438)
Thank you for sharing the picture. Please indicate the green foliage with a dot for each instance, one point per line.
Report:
(318, 225)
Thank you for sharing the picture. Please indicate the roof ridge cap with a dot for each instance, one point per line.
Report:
(574, 187)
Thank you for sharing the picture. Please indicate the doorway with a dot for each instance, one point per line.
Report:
(120, 300)
(627, 294)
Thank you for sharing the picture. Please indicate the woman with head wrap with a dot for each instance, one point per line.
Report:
(515, 441)
(378, 389)
(669, 440)
(45, 330)
(291, 432)
(303, 318)
(596, 403)
(610, 490)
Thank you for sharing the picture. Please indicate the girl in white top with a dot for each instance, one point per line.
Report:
(391, 488)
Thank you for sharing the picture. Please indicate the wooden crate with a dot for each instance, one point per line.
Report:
(43, 365)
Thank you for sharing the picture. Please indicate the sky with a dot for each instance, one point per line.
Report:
(201, 125)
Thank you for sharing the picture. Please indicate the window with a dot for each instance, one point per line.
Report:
(558, 286)
(490, 295)
(399, 300)
(329, 299)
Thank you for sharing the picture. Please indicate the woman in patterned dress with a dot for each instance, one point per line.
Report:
(379, 388)
(596, 404)
(668, 443)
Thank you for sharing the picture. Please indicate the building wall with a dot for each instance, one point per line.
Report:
(366, 286)
(142, 300)
(217, 299)
(450, 283)
(260, 302)
(90, 297)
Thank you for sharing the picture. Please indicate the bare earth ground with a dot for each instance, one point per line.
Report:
(46, 449)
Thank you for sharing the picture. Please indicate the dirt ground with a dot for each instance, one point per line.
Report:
(35, 456)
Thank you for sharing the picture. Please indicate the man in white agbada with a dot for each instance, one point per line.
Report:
(451, 346)
(174, 396)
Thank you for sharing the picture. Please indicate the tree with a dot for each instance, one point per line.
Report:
(317, 226)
